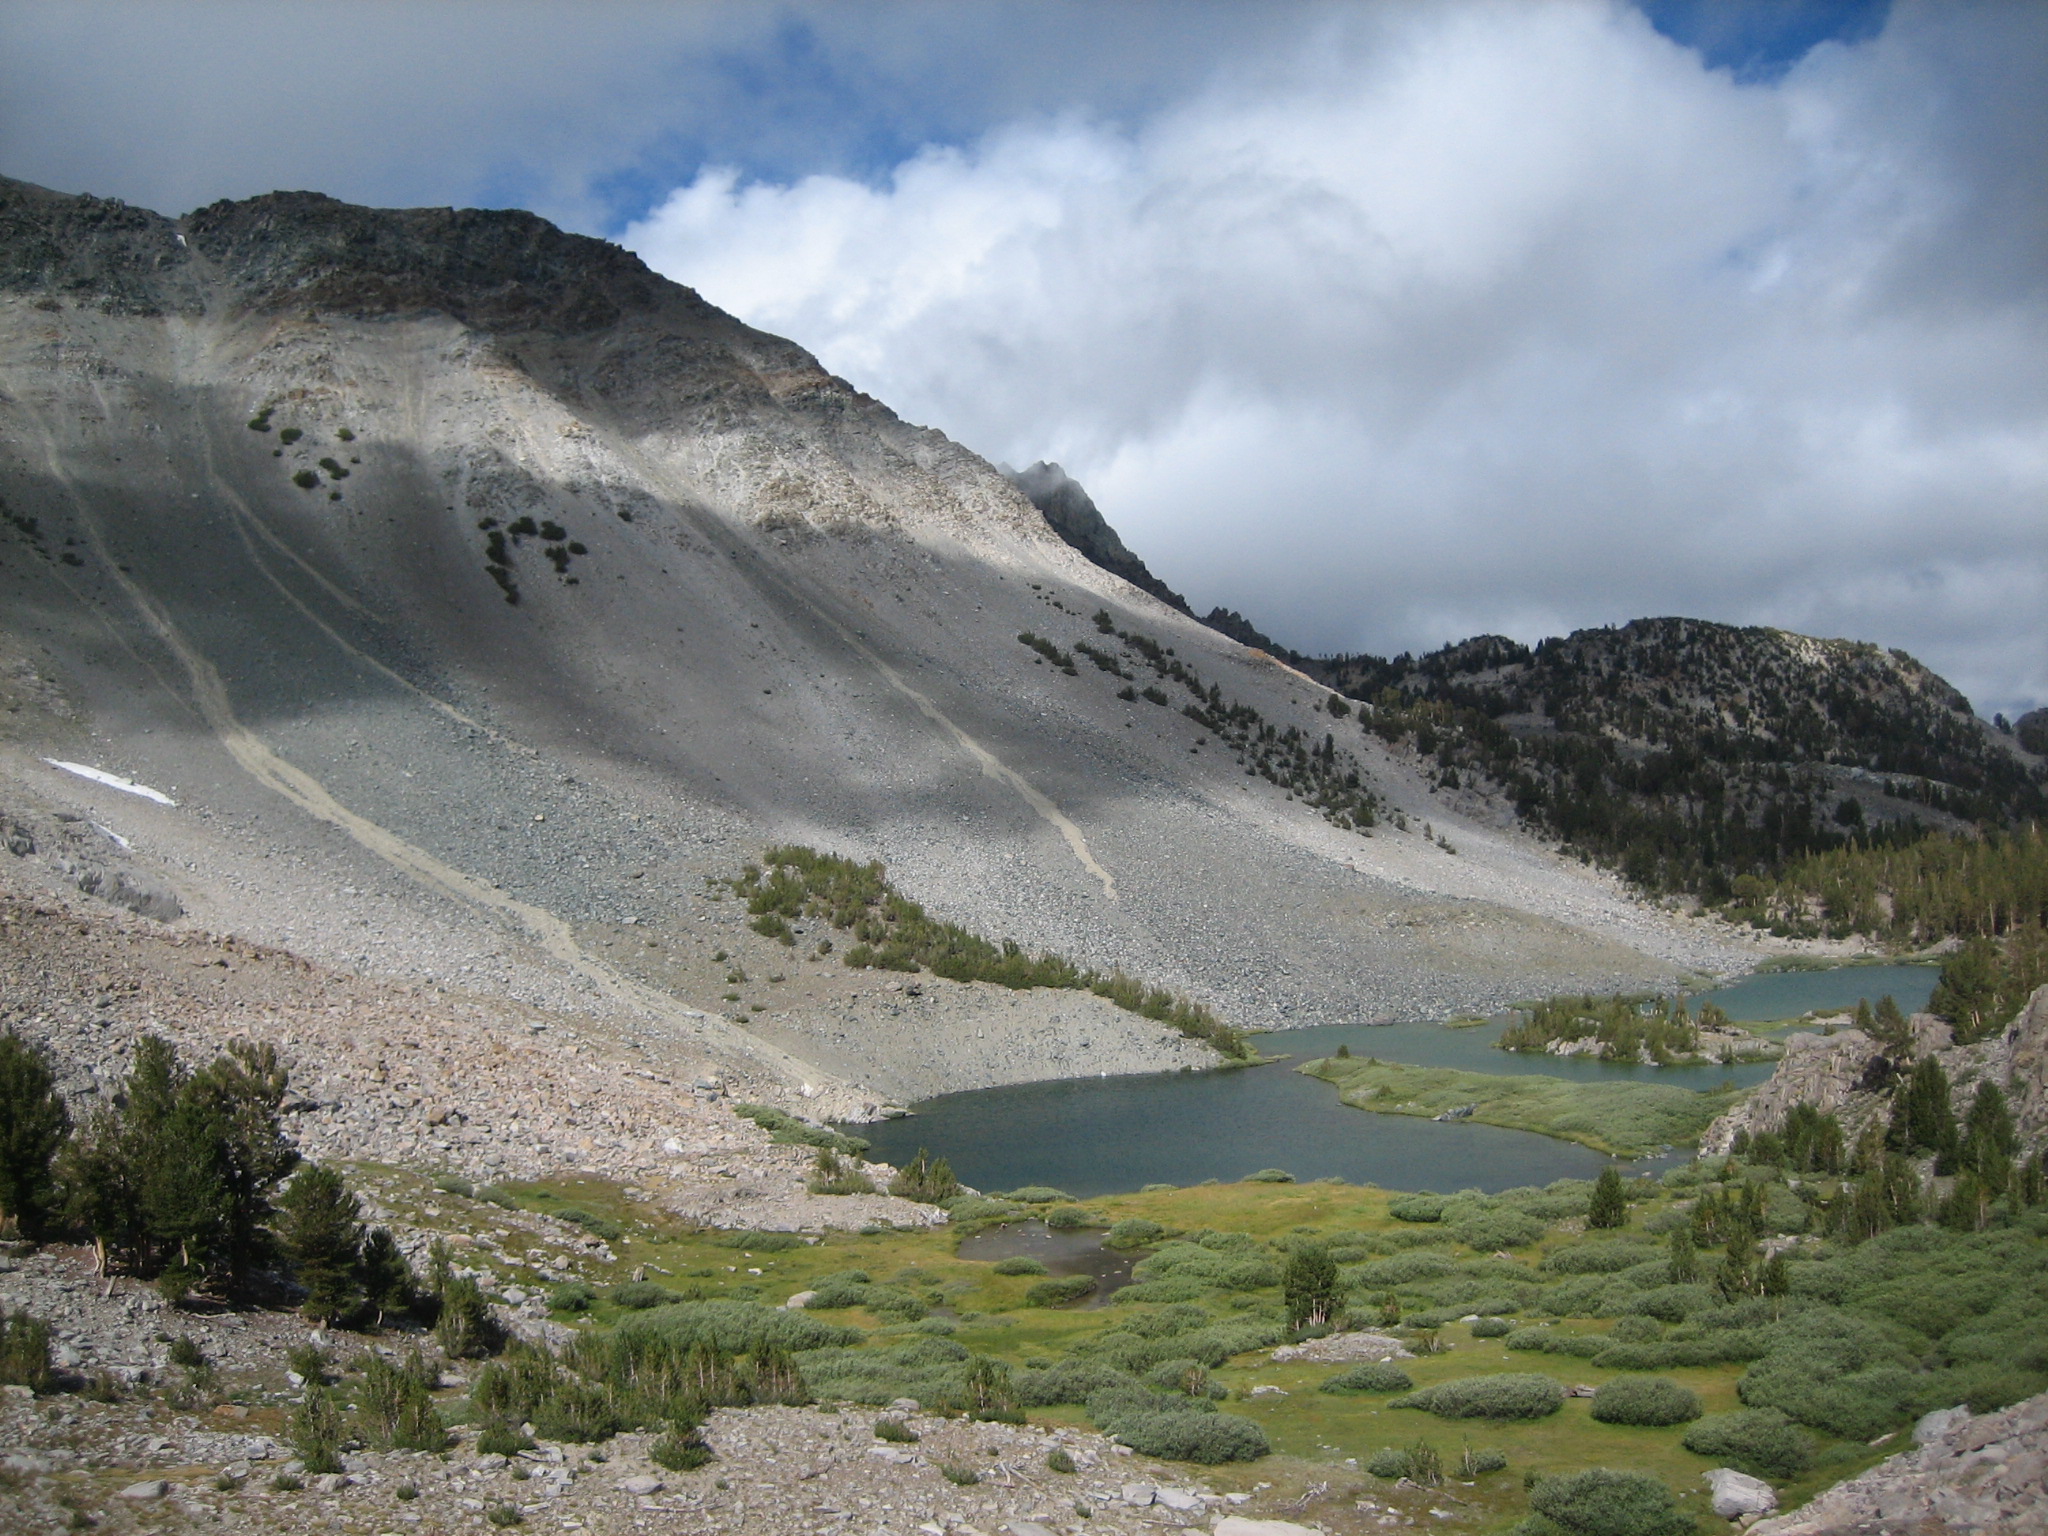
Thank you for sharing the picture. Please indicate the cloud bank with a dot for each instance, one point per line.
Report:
(1455, 318)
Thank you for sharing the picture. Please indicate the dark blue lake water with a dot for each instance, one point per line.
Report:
(1095, 1136)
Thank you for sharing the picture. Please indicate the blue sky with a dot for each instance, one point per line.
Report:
(1386, 323)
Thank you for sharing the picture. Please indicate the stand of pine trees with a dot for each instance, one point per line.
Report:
(181, 1180)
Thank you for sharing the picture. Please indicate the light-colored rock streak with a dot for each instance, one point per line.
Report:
(294, 784)
(992, 766)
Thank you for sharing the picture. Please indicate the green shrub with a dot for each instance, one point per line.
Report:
(1072, 1380)
(1647, 1400)
(1492, 1328)
(1019, 1265)
(787, 1130)
(1604, 1258)
(733, 1328)
(681, 1449)
(1488, 1230)
(596, 1225)
(1388, 1463)
(1511, 1396)
(572, 1296)
(1759, 1441)
(1172, 1432)
(25, 1352)
(1133, 1232)
(925, 1179)
(640, 1295)
(1058, 1292)
(1404, 1269)
(1600, 1502)
(1374, 1376)
(316, 1430)
(1417, 1207)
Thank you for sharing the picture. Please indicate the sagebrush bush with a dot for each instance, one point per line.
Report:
(640, 1295)
(1388, 1463)
(1059, 1291)
(1600, 1258)
(1373, 1376)
(1759, 1441)
(1417, 1207)
(1510, 1396)
(1647, 1400)
(1600, 1502)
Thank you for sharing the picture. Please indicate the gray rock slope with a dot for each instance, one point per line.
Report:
(479, 596)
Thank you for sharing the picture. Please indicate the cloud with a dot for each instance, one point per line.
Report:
(1444, 319)
(584, 113)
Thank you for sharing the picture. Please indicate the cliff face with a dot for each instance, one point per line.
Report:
(1847, 1074)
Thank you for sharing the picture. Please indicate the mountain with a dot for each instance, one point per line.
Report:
(477, 604)
(1690, 754)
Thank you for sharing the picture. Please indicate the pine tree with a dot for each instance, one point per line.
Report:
(322, 1234)
(33, 1126)
(1311, 1286)
(243, 1092)
(1684, 1257)
(1609, 1207)
(383, 1274)
(1990, 1140)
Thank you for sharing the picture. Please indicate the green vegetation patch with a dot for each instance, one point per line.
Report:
(894, 933)
(1628, 1119)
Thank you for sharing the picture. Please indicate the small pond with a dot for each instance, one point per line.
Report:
(1075, 1252)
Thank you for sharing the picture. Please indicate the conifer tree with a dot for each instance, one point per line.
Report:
(1990, 1140)
(322, 1234)
(386, 1279)
(1609, 1206)
(1684, 1257)
(33, 1126)
(1311, 1286)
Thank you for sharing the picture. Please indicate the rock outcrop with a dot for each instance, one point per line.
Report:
(1983, 1474)
(1847, 1074)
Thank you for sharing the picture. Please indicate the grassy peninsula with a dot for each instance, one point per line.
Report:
(1627, 1119)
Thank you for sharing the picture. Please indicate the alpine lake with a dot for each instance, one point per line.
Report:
(1095, 1136)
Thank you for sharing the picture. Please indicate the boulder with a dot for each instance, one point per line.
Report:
(1933, 1426)
(1736, 1494)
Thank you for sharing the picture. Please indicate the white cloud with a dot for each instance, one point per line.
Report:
(1489, 316)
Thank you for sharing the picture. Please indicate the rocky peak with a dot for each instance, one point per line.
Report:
(493, 268)
(1072, 514)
